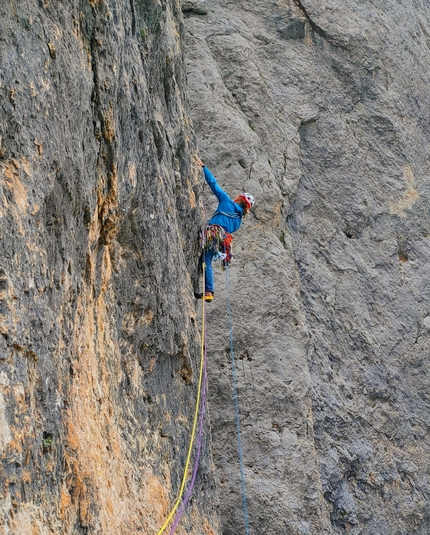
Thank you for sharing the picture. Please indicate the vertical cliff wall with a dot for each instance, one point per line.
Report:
(99, 209)
(319, 109)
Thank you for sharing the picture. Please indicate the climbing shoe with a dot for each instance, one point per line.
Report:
(208, 296)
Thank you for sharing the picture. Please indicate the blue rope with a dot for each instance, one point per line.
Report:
(236, 404)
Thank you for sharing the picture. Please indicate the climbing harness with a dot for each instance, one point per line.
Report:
(236, 406)
(219, 241)
(201, 392)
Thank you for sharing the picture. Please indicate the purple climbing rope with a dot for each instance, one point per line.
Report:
(199, 443)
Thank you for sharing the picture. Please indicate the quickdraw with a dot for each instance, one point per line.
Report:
(219, 240)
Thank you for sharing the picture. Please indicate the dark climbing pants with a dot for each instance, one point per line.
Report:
(209, 279)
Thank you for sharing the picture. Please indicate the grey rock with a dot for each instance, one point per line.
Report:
(197, 7)
(318, 109)
(3, 348)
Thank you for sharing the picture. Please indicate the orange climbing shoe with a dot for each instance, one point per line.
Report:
(208, 296)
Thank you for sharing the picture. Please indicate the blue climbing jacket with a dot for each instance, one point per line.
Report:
(228, 215)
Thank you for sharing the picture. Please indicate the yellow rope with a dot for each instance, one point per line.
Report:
(196, 413)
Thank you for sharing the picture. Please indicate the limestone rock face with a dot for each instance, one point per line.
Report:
(99, 210)
(320, 110)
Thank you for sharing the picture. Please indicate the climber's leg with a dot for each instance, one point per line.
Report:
(209, 281)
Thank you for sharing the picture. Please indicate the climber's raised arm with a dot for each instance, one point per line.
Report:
(213, 184)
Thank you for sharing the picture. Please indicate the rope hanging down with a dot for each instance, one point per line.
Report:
(236, 405)
(199, 440)
(202, 375)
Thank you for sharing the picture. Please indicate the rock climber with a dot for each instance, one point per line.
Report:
(226, 219)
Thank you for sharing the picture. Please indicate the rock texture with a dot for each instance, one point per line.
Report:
(99, 338)
(319, 109)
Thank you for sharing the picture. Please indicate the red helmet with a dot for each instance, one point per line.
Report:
(247, 198)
